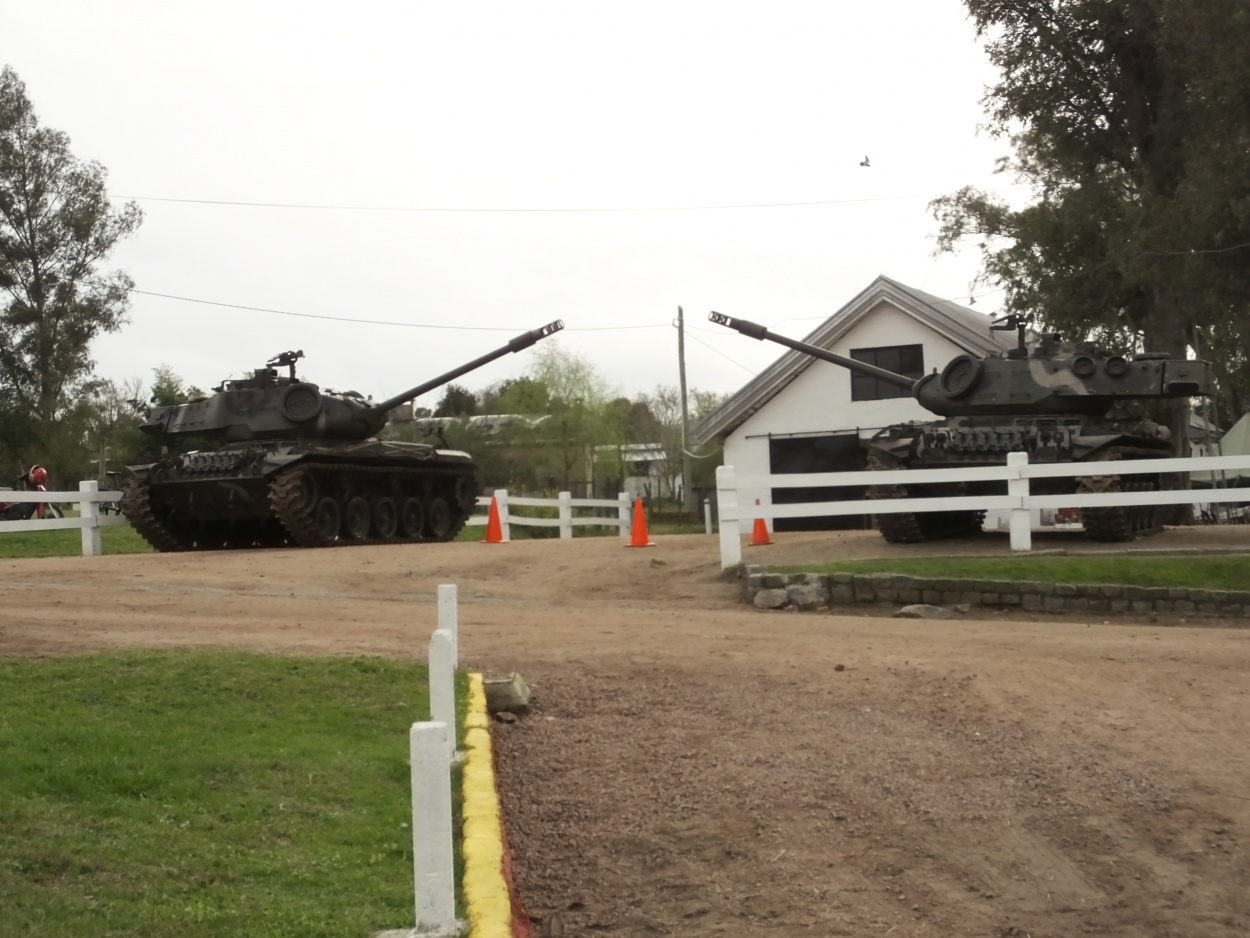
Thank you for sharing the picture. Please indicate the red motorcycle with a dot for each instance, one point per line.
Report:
(32, 480)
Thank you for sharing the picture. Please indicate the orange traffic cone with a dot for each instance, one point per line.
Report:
(638, 530)
(494, 529)
(759, 533)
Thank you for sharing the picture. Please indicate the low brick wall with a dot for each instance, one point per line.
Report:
(819, 591)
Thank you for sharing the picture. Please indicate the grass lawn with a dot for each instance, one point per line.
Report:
(206, 794)
(1196, 571)
(120, 539)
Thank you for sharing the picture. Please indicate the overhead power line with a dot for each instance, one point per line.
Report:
(385, 322)
(515, 211)
(718, 351)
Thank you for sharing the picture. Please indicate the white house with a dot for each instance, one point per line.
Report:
(802, 414)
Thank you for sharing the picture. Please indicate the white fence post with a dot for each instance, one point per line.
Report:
(443, 686)
(432, 874)
(566, 515)
(707, 516)
(501, 498)
(448, 620)
(622, 511)
(87, 510)
(727, 502)
(1018, 485)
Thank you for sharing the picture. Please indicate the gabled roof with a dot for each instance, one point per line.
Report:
(964, 327)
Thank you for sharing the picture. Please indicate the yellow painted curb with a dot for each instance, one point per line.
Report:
(485, 892)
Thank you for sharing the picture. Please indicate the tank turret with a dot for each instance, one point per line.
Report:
(1052, 377)
(298, 466)
(1051, 399)
(272, 406)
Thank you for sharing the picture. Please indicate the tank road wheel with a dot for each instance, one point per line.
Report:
(356, 518)
(385, 518)
(328, 518)
(438, 518)
(412, 518)
(308, 491)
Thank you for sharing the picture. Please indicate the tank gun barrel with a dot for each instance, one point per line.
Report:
(520, 343)
(756, 331)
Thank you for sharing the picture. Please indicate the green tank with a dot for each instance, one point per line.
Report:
(1052, 399)
(296, 465)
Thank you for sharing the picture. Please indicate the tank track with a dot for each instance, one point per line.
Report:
(287, 500)
(170, 534)
(901, 528)
(292, 523)
(1123, 522)
(911, 528)
(137, 507)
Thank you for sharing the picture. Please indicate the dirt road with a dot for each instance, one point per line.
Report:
(698, 767)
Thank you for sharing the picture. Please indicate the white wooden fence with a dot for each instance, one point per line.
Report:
(89, 520)
(566, 519)
(1018, 501)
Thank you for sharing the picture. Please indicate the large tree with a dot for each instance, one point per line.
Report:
(1130, 122)
(56, 227)
(574, 425)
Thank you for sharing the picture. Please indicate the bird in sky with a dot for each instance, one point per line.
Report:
(864, 161)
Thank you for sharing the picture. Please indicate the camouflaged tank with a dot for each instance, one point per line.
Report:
(300, 466)
(1051, 400)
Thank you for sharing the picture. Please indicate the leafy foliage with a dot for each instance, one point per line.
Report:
(560, 428)
(1127, 120)
(56, 227)
(456, 402)
(168, 389)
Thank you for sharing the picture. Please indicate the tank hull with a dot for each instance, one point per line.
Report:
(965, 442)
(301, 494)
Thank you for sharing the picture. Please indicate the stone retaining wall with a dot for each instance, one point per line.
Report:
(818, 591)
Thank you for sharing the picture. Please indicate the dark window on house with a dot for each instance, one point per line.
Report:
(831, 453)
(901, 359)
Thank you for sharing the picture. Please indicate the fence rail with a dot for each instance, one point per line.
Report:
(1016, 473)
(88, 498)
(90, 519)
(565, 520)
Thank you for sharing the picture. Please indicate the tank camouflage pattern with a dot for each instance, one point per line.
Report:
(1052, 399)
(300, 466)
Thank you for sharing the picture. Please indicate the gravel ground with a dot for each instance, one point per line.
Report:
(697, 767)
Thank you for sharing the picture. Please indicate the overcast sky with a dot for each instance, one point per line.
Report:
(471, 170)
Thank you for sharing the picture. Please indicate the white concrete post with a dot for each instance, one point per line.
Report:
(501, 497)
(448, 620)
(622, 510)
(443, 686)
(87, 510)
(707, 515)
(1018, 485)
(727, 501)
(566, 515)
(432, 873)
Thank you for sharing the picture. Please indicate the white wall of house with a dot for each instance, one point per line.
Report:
(819, 399)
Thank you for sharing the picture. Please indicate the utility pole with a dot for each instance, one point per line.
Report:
(687, 492)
